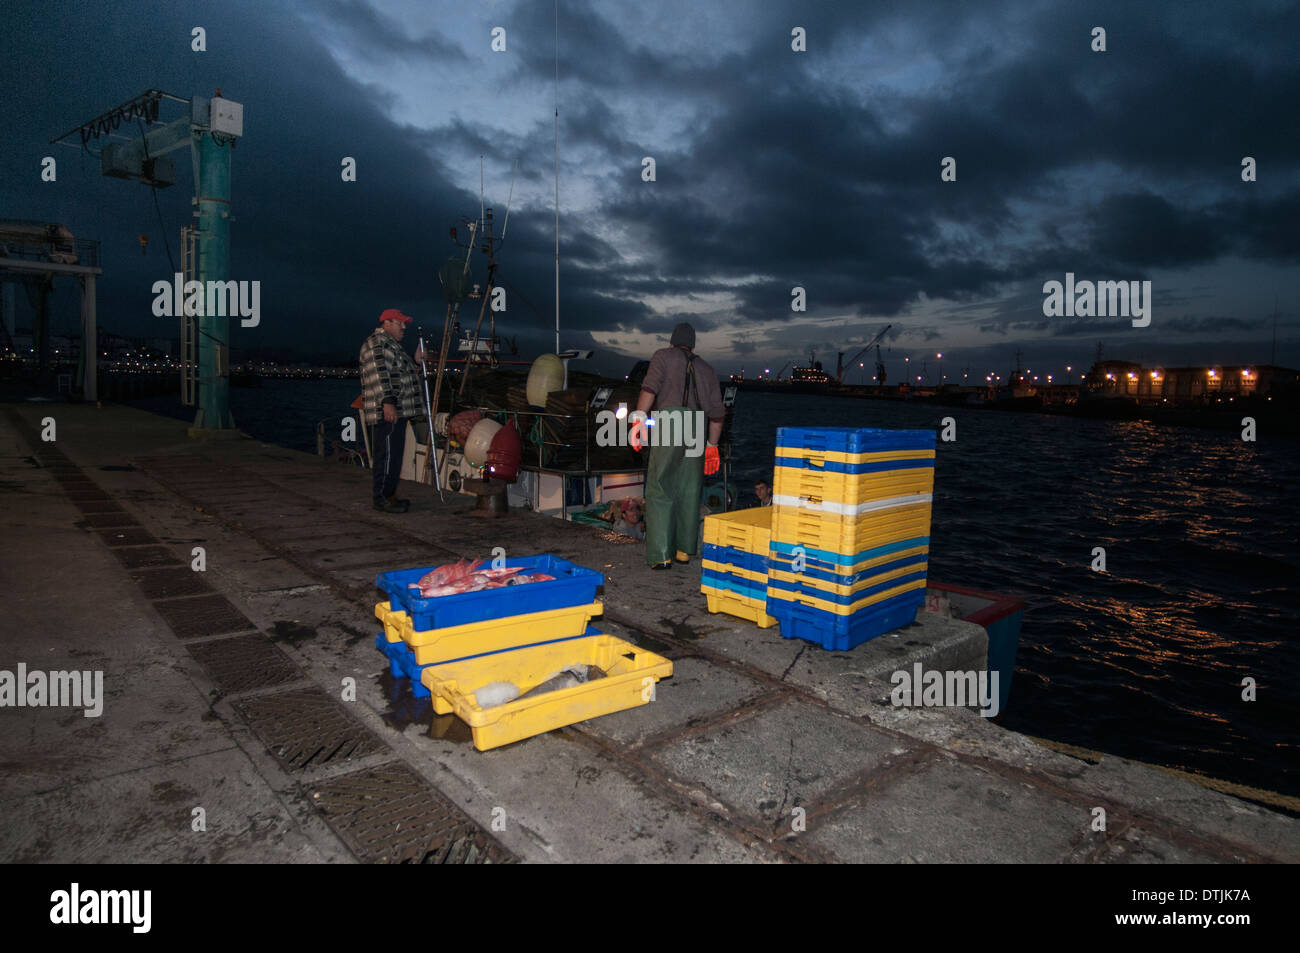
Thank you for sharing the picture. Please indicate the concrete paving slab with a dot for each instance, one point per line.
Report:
(952, 813)
(766, 763)
(696, 690)
(573, 805)
(147, 815)
(1191, 807)
(1136, 846)
(42, 748)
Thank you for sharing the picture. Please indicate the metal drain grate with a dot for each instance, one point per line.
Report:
(389, 814)
(138, 557)
(306, 729)
(206, 615)
(245, 662)
(170, 582)
(126, 536)
(106, 520)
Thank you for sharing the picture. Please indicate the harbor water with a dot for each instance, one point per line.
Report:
(1149, 659)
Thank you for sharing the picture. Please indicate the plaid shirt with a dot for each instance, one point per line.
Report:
(389, 376)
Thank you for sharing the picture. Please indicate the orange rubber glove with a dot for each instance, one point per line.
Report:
(711, 461)
(637, 435)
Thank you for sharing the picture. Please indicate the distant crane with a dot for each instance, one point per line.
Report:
(874, 342)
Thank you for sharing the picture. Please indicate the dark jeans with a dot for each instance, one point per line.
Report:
(389, 448)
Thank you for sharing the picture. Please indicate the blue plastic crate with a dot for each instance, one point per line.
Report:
(835, 466)
(573, 585)
(401, 660)
(839, 633)
(853, 439)
(847, 599)
(829, 561)
(815, 570)
(732, 583)
(731, 556)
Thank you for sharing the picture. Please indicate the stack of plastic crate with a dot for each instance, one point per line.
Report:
(850, 532)
(453, 646)
(733, 574)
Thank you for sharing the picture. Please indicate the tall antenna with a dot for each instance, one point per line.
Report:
(557, 176)
(511, 196)
(482, 203)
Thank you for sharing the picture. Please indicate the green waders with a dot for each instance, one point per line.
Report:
(672, 500)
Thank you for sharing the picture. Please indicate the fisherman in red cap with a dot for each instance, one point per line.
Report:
(392, 396)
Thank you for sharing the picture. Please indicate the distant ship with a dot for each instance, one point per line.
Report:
(802, 380)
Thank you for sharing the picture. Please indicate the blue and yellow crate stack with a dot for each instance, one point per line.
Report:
(849, 539)
(733, 574)
(458, 647)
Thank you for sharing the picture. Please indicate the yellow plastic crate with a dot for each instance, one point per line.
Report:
(492, 635)
(840, 589)
(631, 674)
(804, 599)
(754, 610)
(812, 487)
(844, 569)
(748, 530)
(800, 526)
(759, 577)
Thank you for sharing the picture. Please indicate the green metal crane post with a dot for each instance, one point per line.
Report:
(214, 265)
(210, 128)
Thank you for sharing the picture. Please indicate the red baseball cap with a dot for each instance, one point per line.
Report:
(392, 314)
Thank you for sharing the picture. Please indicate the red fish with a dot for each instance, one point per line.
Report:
(498, 574)
(448, 575)
(466, 576)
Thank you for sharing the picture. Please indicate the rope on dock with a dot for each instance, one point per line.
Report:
(1244, 791)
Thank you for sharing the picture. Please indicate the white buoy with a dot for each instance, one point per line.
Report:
(546, 375)
(480, 441)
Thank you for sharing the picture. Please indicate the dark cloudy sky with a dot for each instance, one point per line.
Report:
(775, 168)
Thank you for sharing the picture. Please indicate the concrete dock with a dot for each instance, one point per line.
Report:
(248, 716)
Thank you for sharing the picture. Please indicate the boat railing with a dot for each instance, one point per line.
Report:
(537, 436)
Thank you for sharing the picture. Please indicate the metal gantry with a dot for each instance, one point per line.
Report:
(210, 128)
